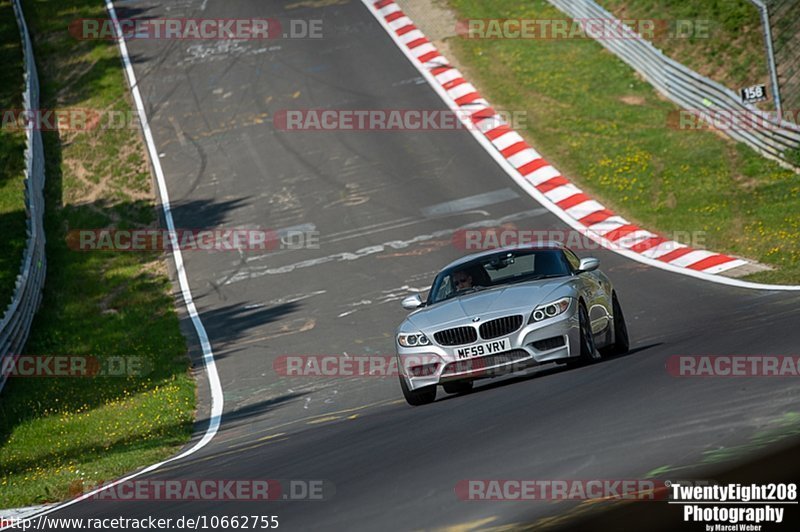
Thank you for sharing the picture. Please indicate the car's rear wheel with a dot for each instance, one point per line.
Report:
(588, 350)
(457, 387)
(420, 396)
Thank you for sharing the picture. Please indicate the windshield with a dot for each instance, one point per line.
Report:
(496, 270)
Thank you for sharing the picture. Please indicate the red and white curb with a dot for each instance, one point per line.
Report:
(538, 177)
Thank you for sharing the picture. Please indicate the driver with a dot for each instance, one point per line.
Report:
(462, 280)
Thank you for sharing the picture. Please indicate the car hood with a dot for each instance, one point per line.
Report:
(496, 300)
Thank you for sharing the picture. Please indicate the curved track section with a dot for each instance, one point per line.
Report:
(537, 176)
(386, 205)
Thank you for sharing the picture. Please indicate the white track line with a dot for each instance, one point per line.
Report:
(217, 400)
(512, 172)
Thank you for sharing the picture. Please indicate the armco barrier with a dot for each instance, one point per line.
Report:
(18, 316)
(689, 89)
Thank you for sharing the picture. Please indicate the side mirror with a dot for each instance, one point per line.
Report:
(589, 264)
(412, 302)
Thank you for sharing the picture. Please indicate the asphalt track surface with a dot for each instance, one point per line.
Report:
(395, 467)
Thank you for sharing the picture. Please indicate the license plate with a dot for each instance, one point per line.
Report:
(488, 348)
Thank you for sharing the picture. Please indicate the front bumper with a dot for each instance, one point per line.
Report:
(537, 343)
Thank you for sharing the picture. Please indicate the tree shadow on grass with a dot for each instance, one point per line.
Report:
(105, 304)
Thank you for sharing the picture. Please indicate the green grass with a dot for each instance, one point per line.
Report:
(605, 128)
(57, 434)
(733, 51)
(12, 162)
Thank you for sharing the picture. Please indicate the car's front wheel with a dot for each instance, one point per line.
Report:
(420, 396)
(588, 350)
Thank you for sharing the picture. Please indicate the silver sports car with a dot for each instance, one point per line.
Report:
(503, 310)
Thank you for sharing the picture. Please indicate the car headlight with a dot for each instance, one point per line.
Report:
(413, 340)
(550, 310)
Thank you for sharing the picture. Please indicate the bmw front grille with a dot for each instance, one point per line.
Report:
(456, 336)
(500, 327)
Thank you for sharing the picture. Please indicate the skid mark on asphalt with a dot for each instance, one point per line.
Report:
(255, 155)
(363, 302)
(293, 298)
(435, 245)
(361, 232)
(178, 131)
(350, 197)
(387, 296)
(234, 126)
(256, 272)
(221, 51)
(283, 328)
(293, 327)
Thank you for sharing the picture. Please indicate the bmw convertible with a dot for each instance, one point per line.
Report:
(501, 311)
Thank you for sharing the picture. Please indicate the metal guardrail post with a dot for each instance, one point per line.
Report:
(773, 69)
